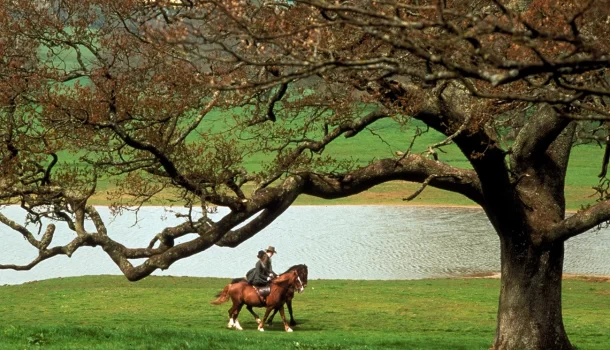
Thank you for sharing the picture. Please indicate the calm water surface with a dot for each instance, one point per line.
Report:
(336, 242)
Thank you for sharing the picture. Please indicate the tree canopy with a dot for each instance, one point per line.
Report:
(172, 99)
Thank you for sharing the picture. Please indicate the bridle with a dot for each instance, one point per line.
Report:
(301, 288)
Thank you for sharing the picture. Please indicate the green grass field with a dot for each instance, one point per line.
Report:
(108, 312)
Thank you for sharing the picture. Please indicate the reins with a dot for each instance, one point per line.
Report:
(301, 288)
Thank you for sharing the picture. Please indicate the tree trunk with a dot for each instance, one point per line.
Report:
(529, 314)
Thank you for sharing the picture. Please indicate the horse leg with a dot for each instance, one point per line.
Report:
(270, 320)
(286, 326)
(289, 304)
(231, 323)
(261, 325)
(235, 314)
(292, 321)
(249, 308)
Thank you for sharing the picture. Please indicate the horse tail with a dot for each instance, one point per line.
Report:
(223, 296)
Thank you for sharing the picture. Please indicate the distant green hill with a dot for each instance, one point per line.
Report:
(384, 139)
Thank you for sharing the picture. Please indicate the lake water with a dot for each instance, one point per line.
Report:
(336, 242)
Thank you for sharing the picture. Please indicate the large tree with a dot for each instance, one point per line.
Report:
(169, 98)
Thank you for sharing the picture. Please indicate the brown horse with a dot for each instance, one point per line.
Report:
(244, 294)
(302, 271)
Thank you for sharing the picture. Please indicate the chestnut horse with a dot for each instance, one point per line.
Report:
(302, 271)
(244, 294)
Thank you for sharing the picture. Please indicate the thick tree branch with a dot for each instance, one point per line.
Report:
(414, 168)
(580, 222)
(536, 136)
(21, 229)
(45, 254)
(455, 120)
(283, 196)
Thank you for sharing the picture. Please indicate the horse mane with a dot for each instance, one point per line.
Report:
(294, 267)
(282, 278)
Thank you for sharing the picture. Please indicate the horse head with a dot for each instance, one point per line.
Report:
(301, 271)
(298, 282)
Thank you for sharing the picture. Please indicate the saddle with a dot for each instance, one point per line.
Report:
(263, 292)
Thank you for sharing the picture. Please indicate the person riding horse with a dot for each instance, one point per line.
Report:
(262, 274)
(241, 293)
(282, 290)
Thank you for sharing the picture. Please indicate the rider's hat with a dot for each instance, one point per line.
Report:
(271, 249)
(260, 253)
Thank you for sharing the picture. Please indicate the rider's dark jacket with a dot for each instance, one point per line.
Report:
(258, 276)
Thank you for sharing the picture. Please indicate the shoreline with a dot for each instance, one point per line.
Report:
(432, 205)
(385, 204)
(564, 276)
(482, 275)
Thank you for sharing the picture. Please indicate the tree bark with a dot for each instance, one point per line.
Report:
(529, 314)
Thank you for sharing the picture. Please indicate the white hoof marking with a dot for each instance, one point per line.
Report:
(238, 326)
(289, 330)
(261, 329)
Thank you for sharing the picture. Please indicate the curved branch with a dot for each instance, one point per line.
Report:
(198, 120)
(45, 254)
(97, 220)
(283, 198)
(580, 222)
(274, 99)
(21, 229)
(414, 168)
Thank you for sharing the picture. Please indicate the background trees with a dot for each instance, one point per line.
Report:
(170, 99)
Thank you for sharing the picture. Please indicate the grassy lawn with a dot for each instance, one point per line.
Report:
(107, 312)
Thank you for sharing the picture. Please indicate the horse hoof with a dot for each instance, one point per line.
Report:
(239, 328)
(289, 330)
(261, 329)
